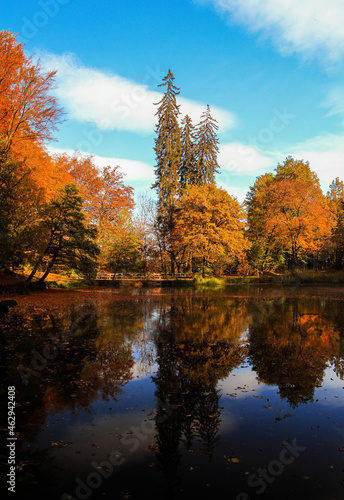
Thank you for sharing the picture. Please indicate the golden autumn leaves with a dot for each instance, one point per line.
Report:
(32, 181)
(289, 219)
(209, 226)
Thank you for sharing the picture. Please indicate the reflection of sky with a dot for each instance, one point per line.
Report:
(242, 382)
(93, 435)
(331, 393)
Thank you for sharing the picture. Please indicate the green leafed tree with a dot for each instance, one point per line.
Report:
(206, 149)
(8, 200)
(19, 199)
(66, 239)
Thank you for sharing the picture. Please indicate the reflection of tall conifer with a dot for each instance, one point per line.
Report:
(208, 418)
(201, 414)
(168, 414)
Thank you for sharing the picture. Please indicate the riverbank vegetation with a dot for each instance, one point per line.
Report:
(63, 214)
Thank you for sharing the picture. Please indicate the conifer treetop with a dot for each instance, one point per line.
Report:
(169, 97)
(207, 149)
(167, 148)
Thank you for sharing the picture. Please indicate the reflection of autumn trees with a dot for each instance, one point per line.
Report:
(291, 345)
(208, 331)
(86, 365)
(198, 343)
(338, 356)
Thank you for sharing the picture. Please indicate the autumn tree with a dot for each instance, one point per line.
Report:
(106, 197)
(145, 221)
(28, 112)
(288, 216)
(206, 150)
(114, 199)
(262, 251)
(336, 203)
(108, 204)
(209, 225)
(121, 251)
(65, 237)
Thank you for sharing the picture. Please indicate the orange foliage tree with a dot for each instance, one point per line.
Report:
(108, 203)
(336, 202)
(27, 109)
(288, 215)
(28, 116)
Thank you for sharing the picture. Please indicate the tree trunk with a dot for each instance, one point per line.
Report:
(172, 263)
(34, 270)
(40, 260)
(50, 265)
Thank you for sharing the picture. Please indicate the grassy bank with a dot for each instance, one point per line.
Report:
(288, 278)
(17, 284)
(322, 277)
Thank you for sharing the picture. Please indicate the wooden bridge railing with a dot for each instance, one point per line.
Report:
(152, 276)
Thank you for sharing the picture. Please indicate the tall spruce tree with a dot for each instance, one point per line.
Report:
(187, 169)
(168, 155)
(206, 149)
(167, 148)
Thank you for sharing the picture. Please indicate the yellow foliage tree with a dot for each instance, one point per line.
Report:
(209, 226)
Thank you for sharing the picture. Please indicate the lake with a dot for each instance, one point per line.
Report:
(164, 393)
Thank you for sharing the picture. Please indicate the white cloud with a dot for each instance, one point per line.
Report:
(133, 170)
(239, 158)
(112, 102)
(309, 27)
(325, 155)
(235, 191)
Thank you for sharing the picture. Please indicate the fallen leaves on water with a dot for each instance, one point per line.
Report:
(125, 495)
(153, 447)
(60, 444)
(277, 419)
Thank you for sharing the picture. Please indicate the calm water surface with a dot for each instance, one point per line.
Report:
(163, 394)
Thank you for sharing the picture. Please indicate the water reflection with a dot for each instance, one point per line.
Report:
(197, 345)
(291, 344)
(180, 346)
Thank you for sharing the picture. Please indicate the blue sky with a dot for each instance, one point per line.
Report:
(272, 72)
